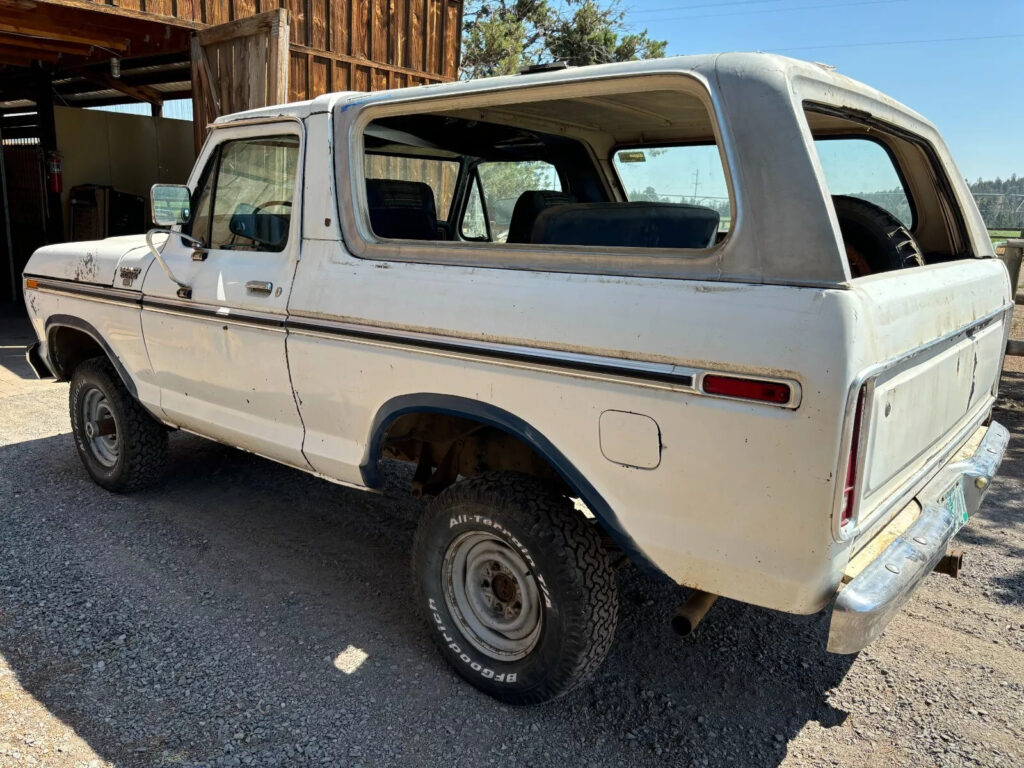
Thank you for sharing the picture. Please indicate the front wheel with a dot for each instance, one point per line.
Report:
(120, 444)
(517, 589)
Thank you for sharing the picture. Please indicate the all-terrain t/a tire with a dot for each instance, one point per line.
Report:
(516, 587)
(876, 241)
(120, 444)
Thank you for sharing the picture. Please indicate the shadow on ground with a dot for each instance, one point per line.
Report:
(201, 623)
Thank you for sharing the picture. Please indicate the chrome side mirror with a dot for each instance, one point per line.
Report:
(184, 290)
(170, 204)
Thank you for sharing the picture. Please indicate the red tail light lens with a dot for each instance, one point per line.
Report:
(747, 389)
(846, 512)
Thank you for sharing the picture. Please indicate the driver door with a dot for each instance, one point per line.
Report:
(219, 357)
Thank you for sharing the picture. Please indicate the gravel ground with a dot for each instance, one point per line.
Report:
(248, 614)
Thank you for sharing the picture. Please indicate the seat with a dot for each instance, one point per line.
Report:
(401, 209)
(528, 207)
(627, 225)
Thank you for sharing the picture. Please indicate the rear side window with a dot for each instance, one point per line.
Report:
(862, 168)
(688, 174)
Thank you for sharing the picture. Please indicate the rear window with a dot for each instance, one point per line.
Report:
(863, 168)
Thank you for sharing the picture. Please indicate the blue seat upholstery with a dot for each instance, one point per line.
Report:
(636, 225)
(528, 207)
(402, 209)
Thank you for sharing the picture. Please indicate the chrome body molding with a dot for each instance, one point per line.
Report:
(866, 605)
(647, 373)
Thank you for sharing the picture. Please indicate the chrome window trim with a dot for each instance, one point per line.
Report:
(701, 263)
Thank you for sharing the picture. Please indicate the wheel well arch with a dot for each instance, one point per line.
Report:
(496, 418)
(71, 340)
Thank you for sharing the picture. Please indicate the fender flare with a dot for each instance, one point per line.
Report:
(55, 322)
(427, 402)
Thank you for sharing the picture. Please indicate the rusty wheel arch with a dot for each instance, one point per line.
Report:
(482, 426)
(70, 341)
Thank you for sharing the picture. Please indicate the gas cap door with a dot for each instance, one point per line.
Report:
(630, 439)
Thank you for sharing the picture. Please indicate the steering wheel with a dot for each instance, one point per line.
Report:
(258, 208)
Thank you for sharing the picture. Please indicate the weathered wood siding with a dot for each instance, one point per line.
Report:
(339, 45)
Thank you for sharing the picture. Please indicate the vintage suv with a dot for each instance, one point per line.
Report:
(735, 317)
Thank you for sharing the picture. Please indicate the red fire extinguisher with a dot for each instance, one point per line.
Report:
(54, 172)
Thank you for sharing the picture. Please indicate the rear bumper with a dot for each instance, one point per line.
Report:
(867, 604)
(37, 362)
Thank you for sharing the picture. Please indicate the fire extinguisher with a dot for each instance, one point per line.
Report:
(54, 172)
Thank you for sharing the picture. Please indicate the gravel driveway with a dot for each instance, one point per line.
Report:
(248, 614)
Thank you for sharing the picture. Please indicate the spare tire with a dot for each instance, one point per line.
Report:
(876, 241)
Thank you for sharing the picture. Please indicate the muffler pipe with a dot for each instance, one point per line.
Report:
(951, 563)
(692, 611)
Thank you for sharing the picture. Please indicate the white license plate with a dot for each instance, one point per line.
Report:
(957, 505)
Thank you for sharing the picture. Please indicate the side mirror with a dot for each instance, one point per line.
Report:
(170, 204)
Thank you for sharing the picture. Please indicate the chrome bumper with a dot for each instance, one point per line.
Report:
(866, 605)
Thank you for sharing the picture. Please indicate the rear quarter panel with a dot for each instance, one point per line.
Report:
(741, 501)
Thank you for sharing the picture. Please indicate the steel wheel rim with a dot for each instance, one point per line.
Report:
(96, 409)
(492, 595)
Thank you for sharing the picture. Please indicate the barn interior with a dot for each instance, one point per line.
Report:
(70, 169)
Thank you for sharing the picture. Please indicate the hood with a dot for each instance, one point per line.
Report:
(91, 261)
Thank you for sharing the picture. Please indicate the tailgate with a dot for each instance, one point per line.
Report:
(941, 331)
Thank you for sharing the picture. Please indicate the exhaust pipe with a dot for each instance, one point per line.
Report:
(951, 563)
(692, 611)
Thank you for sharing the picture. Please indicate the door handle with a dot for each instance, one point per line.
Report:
(259, 286)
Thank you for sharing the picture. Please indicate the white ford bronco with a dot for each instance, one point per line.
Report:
(734, 318)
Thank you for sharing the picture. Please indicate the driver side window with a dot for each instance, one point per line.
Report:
(245, 202)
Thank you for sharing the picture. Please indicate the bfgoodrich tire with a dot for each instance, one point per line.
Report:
(120, 444)
(516, 587)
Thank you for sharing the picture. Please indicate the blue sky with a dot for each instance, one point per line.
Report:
(972, 89)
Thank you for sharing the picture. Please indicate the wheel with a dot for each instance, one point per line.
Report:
(121, 445)
(517, 589)
(876, 241)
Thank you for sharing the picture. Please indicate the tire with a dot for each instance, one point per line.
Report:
(521, 544)
(876, 241)
(132, 457)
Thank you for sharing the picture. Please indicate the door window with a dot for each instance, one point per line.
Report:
(245, 202)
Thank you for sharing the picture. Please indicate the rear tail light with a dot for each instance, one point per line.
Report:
(846, 511)
(747, 389)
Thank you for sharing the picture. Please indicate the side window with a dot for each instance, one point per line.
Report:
(246, 202)
(503, 182)
(863, 168)
(689, 174)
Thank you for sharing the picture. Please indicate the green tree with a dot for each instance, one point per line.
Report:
(500, 37)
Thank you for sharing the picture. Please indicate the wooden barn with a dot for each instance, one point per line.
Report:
(68, 172)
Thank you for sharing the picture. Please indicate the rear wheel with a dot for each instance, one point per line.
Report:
(120, 444)
(516, 587)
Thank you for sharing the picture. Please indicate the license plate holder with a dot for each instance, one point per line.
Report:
(955, 502)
